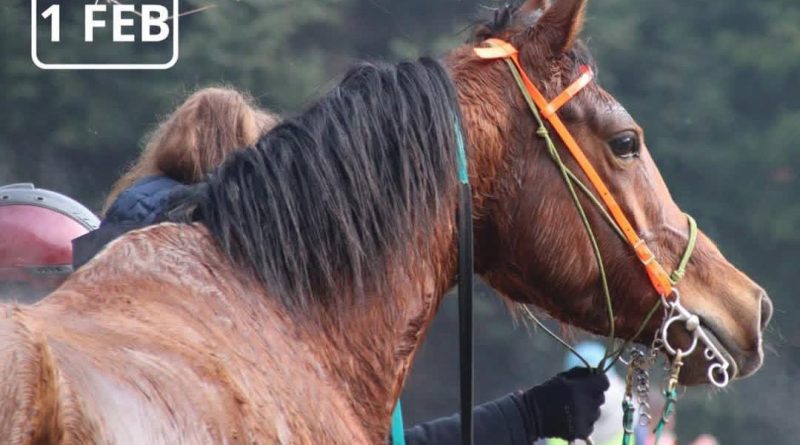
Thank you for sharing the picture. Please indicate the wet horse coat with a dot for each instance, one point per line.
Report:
(147, 362)
(168, 336)
(291, 310)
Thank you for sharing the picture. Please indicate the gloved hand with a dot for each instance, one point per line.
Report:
(567, 405)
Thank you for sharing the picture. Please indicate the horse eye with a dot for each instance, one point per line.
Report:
(625, 145)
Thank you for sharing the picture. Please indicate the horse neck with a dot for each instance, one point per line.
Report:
(368, 349)
(487, 120)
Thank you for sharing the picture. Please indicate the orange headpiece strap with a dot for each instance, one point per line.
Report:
(500, 49)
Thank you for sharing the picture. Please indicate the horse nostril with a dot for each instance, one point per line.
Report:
(766, 310)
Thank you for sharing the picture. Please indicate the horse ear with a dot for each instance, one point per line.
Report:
(561, 24)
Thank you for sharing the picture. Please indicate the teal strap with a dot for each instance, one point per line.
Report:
(398, 432)
(461, 154)
(672, 397)
(627, 421)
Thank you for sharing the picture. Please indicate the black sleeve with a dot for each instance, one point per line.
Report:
(501, 422)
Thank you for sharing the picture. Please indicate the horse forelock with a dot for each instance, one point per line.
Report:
(317, 208)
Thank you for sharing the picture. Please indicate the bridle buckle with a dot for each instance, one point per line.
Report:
(646, 256)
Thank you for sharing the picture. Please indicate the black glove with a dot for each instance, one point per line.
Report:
(567, 405)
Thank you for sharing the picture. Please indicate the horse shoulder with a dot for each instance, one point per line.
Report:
(163, 340)
(36, 408)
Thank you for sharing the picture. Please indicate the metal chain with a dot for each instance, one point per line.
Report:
(641, 385)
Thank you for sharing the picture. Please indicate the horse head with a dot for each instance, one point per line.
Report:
(531, 244)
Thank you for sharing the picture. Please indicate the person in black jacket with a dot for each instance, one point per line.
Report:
(195, 139)
(566, 407)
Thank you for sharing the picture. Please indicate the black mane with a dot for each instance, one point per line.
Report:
(322, 201)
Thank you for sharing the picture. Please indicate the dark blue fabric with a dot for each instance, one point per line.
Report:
(137, 207)
(142, 202)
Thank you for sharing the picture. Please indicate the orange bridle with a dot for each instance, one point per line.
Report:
(663, 283)
(500, 49)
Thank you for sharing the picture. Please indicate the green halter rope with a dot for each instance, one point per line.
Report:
(671, 397)
(572, 181)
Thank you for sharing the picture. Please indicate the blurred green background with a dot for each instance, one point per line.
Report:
(712, 82)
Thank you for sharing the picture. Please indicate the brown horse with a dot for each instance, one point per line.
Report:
(291, 310)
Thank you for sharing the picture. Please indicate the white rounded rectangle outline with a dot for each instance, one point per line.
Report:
(106, 66)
